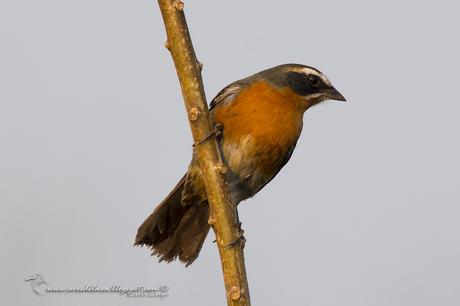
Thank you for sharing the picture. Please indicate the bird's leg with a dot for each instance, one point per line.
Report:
(240, 239)
(215, 133)
(240, 230)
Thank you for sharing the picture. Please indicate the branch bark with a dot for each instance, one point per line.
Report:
(223, 214)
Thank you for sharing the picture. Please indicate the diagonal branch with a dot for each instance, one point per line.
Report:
(223, 214)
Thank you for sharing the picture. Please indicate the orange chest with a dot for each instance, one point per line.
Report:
(270, 116)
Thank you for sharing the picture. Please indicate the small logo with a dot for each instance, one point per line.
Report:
(41, 287)
(38, 283)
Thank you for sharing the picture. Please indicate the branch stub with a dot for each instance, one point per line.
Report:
(179, 5)
(235, 293)
(193, 114)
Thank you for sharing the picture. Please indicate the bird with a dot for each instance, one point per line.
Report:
(260, 119)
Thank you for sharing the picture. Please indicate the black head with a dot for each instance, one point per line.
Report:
(305, 81)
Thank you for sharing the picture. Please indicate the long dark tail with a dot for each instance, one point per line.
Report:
(173, 230)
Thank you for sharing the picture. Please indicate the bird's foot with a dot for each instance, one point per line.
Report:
(216, 133)
(241, 240)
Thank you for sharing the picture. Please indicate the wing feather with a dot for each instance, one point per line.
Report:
(227, 94)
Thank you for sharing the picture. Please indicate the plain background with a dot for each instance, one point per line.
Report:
(93, 135)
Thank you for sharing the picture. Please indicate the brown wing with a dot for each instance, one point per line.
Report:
(227, 94)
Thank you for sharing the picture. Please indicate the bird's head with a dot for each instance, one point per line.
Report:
(310, 84)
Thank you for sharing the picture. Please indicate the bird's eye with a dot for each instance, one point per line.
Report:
(314, 80)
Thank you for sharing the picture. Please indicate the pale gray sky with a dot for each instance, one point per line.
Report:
(93, 135)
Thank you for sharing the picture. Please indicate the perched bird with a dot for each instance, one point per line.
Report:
(261, 118)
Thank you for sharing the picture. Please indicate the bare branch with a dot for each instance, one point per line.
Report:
(223, 215)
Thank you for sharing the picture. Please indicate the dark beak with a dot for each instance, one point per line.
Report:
(333, 94)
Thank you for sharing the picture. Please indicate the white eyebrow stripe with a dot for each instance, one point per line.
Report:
(307, 70)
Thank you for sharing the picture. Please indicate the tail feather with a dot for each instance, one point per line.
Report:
(173, 230)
